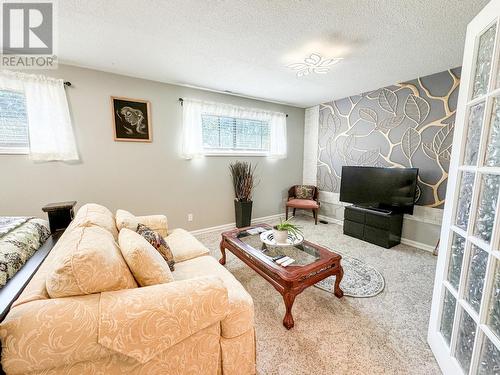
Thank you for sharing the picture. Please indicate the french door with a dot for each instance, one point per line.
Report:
(464, 328)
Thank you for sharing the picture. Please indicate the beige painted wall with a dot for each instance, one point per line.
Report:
(140, 177)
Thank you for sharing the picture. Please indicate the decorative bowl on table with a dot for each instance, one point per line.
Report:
(268, 238)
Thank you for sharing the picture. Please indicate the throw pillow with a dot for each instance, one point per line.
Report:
(146, 264)
(303, 192)
(125, 219)
(88, 261)
(158, 243)
(92, 214)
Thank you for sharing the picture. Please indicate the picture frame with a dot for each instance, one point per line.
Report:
(131, 119)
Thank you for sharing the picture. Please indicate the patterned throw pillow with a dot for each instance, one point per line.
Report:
(303, 192)
(145, 262)
(158, 243)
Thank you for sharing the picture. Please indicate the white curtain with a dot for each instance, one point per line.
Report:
(49, 122)
(192, 142)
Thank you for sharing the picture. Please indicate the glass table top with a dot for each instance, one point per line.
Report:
(304, 254)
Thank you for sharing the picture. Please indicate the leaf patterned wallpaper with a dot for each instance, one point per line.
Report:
(409, 124)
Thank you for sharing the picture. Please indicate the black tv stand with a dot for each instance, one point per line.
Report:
(371, 208)
(376, 225)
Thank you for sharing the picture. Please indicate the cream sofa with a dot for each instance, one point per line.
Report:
(201, 323)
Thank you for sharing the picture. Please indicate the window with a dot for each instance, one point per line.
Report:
(35, 118)
(210, 128)
(13, 123)
(221, 134)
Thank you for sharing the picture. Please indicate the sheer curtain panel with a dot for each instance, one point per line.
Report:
(49, 123)
(192, 135)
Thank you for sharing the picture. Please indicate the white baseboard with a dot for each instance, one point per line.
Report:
(330, 219)
(418, 245)
(224, 227)
(404, 241)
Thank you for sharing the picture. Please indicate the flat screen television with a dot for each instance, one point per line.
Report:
(382, 188)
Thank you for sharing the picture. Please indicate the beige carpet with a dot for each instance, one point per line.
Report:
(385, 334)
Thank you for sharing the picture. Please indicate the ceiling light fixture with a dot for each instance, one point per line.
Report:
(315, 63)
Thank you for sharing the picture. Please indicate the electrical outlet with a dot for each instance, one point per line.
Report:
(190, 217)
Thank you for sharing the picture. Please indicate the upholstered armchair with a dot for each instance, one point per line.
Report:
(304, 197)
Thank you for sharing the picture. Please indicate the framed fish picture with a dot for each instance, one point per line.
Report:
(131, 119)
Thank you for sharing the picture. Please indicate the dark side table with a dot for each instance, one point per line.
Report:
(60, 214)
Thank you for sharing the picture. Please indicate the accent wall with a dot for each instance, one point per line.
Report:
(408, 124)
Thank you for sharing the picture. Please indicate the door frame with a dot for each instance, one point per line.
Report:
(448, 363)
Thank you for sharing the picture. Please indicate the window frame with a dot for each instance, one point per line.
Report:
(16, 150)
(208, 151)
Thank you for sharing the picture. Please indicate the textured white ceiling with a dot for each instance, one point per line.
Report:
(244, 46)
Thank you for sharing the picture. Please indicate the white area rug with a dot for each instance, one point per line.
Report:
(360, 279)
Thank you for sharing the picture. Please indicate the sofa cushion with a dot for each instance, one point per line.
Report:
(125, 219)
(158, 223)
(184, 246)
(92, 214)
(239, 318)
(145, 262)
(97, 208)
(90, 263)
(158, 242)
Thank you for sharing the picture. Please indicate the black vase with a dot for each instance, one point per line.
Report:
(243, 213)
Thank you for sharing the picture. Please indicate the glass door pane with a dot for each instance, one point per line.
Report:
(465, 342)
(493, 148)
(488, 198)
(489, 362)
(448, 315)
(474, 127)
(464, 200)
(475, 277)
(483, 62)
(456, 257)
(493, 320)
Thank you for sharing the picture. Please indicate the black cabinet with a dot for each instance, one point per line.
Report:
(382, 228)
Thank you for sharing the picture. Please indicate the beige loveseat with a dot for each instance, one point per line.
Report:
(200, 323)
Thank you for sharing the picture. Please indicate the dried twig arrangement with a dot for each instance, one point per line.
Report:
(243, 174)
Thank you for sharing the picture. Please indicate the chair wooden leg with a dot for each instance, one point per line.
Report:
(315, 214)
(286, 212)
(294, 212)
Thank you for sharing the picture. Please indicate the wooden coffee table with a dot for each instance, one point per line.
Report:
(313, 263)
